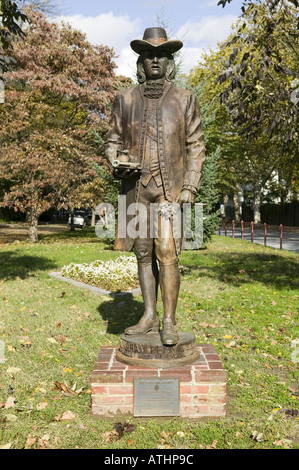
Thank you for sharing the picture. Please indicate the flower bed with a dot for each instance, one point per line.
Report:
(118, 275)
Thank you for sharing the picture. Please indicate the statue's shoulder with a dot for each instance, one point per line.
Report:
(131, 91)
(181, 91)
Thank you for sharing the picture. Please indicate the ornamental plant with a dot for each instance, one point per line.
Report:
(118, 275)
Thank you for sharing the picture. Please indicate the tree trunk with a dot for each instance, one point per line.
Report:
(72, 221)
(257, 207)
(93, 217)
(32, 217)
(238, 199)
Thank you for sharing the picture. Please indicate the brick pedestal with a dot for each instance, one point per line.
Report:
(202, 384)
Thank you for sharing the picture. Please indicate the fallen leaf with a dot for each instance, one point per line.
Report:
(30, 441)
(60, 338)
(6, 446)
(67, 415)
(13, 370)
(10, 403)
(65, 389)
(42, 405)
(52, 340)
(11, 417)
(110, 436)
(213, 445)
(257, 436)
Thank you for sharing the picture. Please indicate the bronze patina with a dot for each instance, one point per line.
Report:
(155, 145)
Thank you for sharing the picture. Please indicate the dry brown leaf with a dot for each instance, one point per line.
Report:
(30, 441)
(10, 403)
(213, 445)
(110, 436)
(67, 415)
(42, 405)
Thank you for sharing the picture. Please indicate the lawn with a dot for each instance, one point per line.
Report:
(238, 296)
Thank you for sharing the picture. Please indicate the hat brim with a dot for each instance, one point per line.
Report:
(139, 46)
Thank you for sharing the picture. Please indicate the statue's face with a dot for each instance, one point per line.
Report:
(155, 64)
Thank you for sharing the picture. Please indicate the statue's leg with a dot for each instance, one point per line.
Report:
(169, 278)
(148, 279)
(147, 269)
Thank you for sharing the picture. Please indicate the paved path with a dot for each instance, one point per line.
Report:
(290, 240)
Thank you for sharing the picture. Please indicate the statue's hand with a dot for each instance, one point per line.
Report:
(186, 196)
(123, 174)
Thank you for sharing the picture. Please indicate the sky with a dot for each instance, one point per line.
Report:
(199, 24)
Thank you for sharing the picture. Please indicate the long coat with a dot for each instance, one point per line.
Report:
(181, 150)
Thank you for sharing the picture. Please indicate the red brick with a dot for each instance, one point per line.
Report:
(194, 388)
(216, 365)
(183, 374)
(217, 388)
(129, 399)
(98, 389)
(120, 389)
(214, 376)
(200, 399)
(202, 410)
(184, 398)
(106, 376)
(212, 357)
(101, 366)
(114, 400)
(112, 410)
(130, 375)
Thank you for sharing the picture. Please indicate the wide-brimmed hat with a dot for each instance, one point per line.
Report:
(155, 39)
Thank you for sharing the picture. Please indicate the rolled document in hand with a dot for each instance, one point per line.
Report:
(125, 165)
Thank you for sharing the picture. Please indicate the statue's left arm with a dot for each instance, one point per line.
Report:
(195, 152)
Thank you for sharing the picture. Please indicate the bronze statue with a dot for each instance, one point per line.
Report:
(155, 145)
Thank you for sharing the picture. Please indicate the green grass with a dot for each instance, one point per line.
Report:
(238, 296)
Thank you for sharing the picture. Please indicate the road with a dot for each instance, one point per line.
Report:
(290, 240)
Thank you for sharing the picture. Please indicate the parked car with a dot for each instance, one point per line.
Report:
(80, 219)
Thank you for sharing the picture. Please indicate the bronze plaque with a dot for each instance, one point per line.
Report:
(156, 397)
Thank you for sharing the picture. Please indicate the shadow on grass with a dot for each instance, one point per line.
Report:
(120, 313)
(239, 268)
(13, 265)
(85, 235)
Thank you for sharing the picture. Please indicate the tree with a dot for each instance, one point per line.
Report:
(57, 95)
(10, 30)
(239, 90)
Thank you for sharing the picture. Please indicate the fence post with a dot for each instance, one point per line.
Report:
(233, 222)
(265, 234)
(280, 236)
(251, 223)
(242, 229)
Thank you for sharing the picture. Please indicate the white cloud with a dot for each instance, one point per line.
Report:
(207, 32)
(112, 31)
(118, 31)
(189, 57)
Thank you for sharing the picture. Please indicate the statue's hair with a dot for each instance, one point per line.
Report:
(170, 72)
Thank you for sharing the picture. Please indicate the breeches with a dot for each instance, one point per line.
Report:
(155, 239)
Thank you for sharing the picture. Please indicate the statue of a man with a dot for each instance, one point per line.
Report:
(156, 128)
